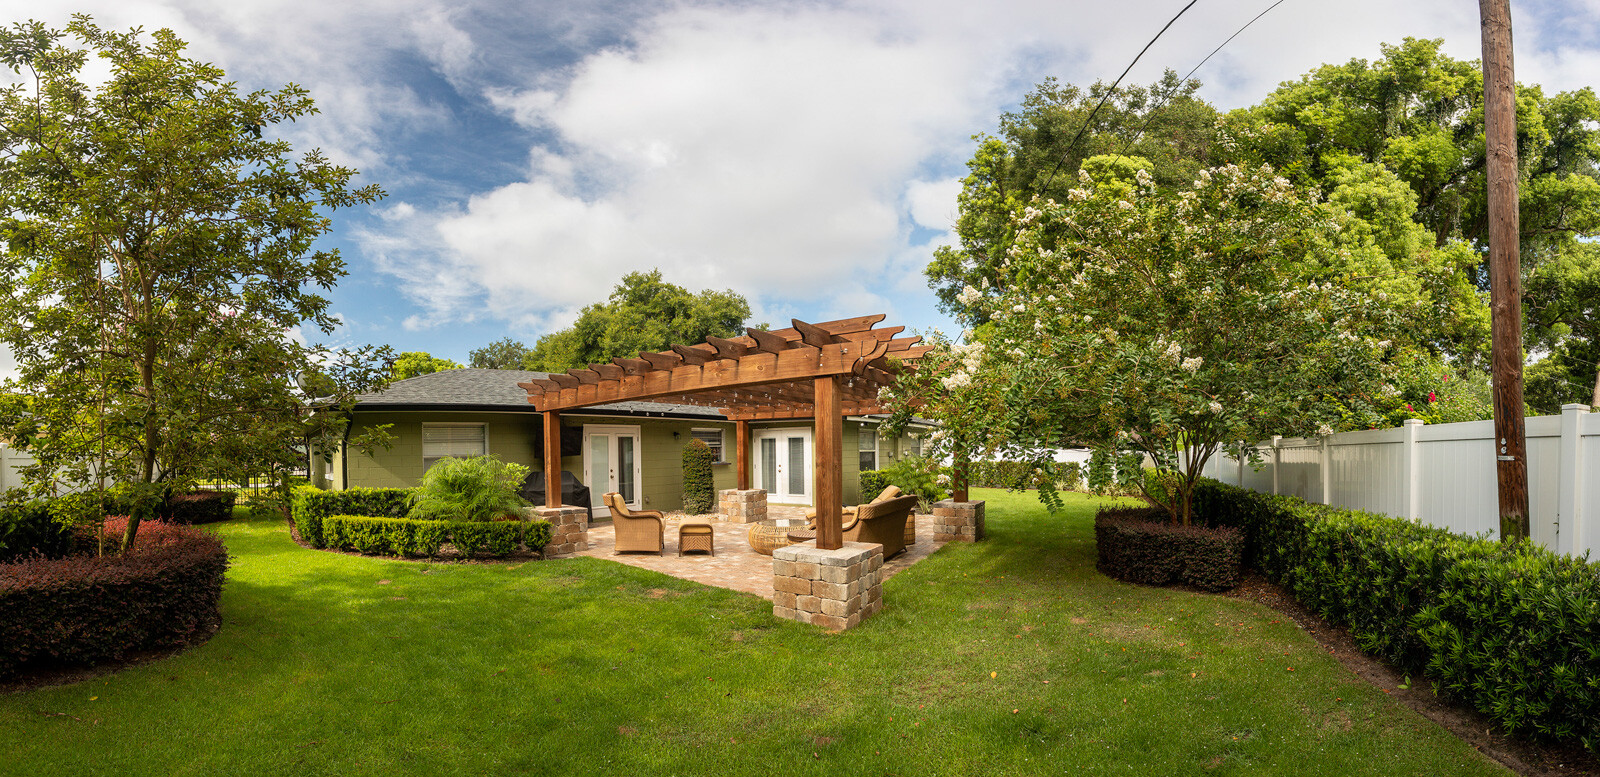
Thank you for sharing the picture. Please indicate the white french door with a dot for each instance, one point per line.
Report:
(611, 463)
(783, 465)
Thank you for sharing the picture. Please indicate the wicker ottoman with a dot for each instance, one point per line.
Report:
(696, 534)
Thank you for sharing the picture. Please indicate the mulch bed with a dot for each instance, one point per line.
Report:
(1520, 756)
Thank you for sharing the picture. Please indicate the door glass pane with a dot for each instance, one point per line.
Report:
(625, 468)
(797, 465)
(769, 464)
(599, 467)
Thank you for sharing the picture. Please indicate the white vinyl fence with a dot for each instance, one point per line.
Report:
(10, 460)
(1443, 475)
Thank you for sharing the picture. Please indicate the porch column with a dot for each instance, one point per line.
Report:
(552, 458)
(741, 444)
(829, 462)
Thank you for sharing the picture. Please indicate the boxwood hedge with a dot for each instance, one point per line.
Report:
(420, 538)
(1510, 628)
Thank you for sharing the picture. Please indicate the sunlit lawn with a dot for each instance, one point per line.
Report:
(1012, 656)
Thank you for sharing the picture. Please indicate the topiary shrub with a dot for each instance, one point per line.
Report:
(699, 497)
(480, 488)
(1139, 546)
(1510, 628)
(162, 593)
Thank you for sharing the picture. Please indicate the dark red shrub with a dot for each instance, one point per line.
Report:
(83, 609)
(1137, 545)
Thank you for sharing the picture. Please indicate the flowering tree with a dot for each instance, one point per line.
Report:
(1166, 324)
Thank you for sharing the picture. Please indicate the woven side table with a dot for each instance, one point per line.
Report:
(696, 534)
(767, 536)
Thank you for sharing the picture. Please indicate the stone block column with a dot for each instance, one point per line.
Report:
(958, 521)
(834, 589)
(742, 506)
(569, 530)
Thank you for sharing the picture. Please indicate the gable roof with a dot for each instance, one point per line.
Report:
(496, 390)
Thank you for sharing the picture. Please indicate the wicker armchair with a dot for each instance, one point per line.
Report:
(641, 530)
(883, 523)
(848, 513)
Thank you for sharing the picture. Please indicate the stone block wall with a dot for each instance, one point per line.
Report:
(748, 506)
(569, 530)
(957, 521)
(834, 589)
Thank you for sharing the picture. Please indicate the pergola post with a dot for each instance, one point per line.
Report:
(552, 458)
(829, 462)
(741, 444)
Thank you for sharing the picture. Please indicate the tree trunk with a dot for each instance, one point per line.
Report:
(1594, 400)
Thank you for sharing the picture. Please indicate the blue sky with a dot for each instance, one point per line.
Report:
(804, 154)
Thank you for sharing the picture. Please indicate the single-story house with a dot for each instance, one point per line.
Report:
(633, 448)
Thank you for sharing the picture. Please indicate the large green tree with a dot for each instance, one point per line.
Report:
(644, 313)
(1038, 151)
(1563, 308)
(410, 364)
(159, 248)
(502, 354)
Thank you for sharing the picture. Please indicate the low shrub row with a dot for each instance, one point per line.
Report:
(310, 506)
(1512, 629)
(84, 608)
(30, 528)
(1137, 545)
(45, 527)
(418, 538)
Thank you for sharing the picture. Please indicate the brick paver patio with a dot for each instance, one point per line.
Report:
(736, 565)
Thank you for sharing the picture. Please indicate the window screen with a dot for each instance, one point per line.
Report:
(713, 440)
(452, 440)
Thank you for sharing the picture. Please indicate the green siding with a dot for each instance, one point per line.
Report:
(511, 437)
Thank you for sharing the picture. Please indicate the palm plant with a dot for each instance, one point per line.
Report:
(480, 488)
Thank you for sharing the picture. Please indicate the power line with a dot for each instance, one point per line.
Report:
(1111, 91)
(1168, 96)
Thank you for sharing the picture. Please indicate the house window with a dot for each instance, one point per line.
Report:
(713, 440)
(453, 440)
(869, 447)
(916, 445)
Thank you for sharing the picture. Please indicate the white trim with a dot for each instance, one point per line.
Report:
(722, 442)
(779, 435)
(457, 424)
(877, 445)
(613, 431)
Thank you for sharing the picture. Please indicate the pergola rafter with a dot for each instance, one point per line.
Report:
(820, 371)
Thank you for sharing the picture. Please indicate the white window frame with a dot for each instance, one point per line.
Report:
(877, 458)
(721, 448)
(429, 461)
(916, 444)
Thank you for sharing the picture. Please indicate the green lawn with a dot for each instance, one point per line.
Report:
(1012, 656)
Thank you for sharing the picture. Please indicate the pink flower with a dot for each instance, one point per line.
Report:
(1408, 405)
(1432, 398)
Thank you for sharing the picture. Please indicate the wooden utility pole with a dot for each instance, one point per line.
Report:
(1505, 267)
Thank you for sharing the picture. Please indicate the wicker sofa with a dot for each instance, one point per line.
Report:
(883, 523)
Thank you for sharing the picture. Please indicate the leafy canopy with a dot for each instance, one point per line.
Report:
(159, 245)
(410, 364)
(502, 354)
(644, 313)
(1167, 323)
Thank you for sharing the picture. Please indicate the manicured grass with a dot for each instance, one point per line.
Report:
(1012, 656)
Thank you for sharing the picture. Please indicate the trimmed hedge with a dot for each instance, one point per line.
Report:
(415, 538)
(82, 609)
(873, 482)
(1512, 629)
(1139, 546)
(309, 506)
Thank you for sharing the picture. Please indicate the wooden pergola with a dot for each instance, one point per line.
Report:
(820, 371)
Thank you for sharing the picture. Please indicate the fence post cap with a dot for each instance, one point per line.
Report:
(1578, 406)
(1415, 422)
